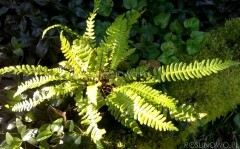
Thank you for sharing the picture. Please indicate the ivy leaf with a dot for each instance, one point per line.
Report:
(13, 142)
(162, 19)
(57, 125)
(130, 4)
(175, 26)
(69, 125)
(17, 47)
(193, 46)
(170, 37)
(197, 36)
(105, 8)
(43, 135)
(168, 48)
(192, 23)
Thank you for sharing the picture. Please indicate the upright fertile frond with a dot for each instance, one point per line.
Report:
(117, 40)
(65, 28)
(151, 95)
(89, 33)
(44, 94)
(35, 82)
(83, 51)
(182, 71)
(69, 53)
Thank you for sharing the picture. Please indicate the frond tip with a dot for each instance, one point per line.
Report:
(182, 71)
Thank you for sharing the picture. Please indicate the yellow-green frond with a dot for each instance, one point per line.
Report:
(151, 95)
(25, 70)
(118, 105)
(65, 28)
(35, 82)
(182, 71)
(69, 54)
(66, 88)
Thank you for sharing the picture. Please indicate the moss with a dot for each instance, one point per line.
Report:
(215, 95)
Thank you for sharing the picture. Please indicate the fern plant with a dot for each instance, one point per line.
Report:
(91, 76)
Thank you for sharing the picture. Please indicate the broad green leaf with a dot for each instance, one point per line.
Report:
(44, 135)
(168, 48)
(175, 26)
(197, 36)
(105, 8)
(9, 138)
(164, 59)
(13, 142)
(69, 125)
(192, 23)
(162, 19)
(193, 46)
(170, 37)
(130, 4)
(57, 125)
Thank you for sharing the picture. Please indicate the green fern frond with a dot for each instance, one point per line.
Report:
(182, 71)
(184, 113)
(44, 94)
(89, 33)
(132, 17)
(25, 70)
(94, 94)
(141, 74)
(83, 52)
(151, 95)
(139, 109)
(35, 82)
(62, 27)
(118, 106)
(69, 54)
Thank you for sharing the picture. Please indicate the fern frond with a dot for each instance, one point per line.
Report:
(147, 114)
(118, 105)
(35, 82)
(140, 74)
(182, 71)
(151, 95)
(94, 94)
(139, 109)
(89, 33)
(69, 54)
(132, 17)
(25, 70)
(91, 117)
(83, 52)
(62, 27)
(44, 94)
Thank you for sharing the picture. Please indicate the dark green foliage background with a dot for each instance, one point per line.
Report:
(161, 34)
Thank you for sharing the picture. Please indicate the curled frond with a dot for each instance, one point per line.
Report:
(182, 71)
(65, 28)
